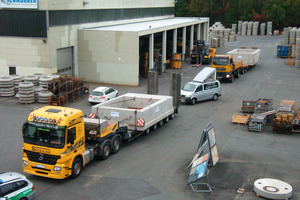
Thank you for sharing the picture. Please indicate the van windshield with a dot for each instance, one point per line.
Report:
(189, 87)
(221, 61)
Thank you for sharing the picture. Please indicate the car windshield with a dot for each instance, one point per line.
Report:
(44, 134)
(220, 61)
(189, 87)
(96, 93)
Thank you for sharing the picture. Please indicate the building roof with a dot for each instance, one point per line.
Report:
(148, 27)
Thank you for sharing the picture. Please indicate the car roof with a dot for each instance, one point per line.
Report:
(8, 176)
(100, 89)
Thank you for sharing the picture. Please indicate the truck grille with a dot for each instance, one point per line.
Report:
(221, 69)
(41, 158)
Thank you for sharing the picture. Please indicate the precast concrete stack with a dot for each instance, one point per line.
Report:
(17, 80)
(249, 28)
(269, 28)
(215, 42)
(232, 37)
(43, 96)
(262, 28)
(233, 28)
(240, 27)
(285, 36)
(26, 92)
(292, 37)
(297, 59)
(255, 28)
(45, 81)
(244, 28)
(37, 90)
(33, 79)
(227, 32)
(7, 86)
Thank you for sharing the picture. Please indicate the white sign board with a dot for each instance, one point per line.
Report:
(23, 4)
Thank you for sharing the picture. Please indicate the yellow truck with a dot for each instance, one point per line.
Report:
(226, 67)
(60, 141)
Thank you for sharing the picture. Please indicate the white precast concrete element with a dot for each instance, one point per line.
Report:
(240, 27)
(273, 188)
(111, 54)
(297, 59)
(262, 28)
(269, 28)
(285, 36)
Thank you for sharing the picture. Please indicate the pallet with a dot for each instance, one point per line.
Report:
(196, 65)
(241, 119)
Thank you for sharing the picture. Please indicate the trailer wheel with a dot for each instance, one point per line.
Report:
(76, 168)
(147, 131)
(153, 128)
(106, 151)
(160, 123)
(116, 142)
(243, 71)
(166, 120)
(172, 116)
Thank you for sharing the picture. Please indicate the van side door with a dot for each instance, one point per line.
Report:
(199, 93)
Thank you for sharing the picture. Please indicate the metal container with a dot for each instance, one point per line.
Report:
(136, 111)
(249, 56)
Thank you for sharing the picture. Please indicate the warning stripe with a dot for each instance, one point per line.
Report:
(92, 115)
(141, 122)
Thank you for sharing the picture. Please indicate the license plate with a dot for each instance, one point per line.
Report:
(40, 166)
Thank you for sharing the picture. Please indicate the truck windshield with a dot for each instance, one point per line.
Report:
(189, 87)
(221, 61)
(44, 135)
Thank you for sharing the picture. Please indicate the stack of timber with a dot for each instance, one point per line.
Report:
(241, 118)
(284, 118)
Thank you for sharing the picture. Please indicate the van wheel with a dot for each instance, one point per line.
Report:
(215, 97)
(76, 168)
(193, 101)
(106, 151)
(116, 144)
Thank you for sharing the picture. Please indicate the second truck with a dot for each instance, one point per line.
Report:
(60, 141)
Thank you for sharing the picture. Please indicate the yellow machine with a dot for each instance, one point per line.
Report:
(59, 141)
(226, 67)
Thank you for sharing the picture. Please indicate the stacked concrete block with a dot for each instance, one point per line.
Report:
(292, 37)
(37, 90)
(43, 96)
(297, 59)
(17, 80)
(227, 32)
(33, 79)
(285, 36)
(233, 28)
(7, 86)
(262, 28)
(240, 27)
(244, 28)
(249, 28)
(255, 28)
(269, 28)
(44, 81)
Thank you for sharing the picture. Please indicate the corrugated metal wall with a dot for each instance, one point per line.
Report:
(23, 23)
(68, 17)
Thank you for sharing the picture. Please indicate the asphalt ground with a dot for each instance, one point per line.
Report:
(155, 166)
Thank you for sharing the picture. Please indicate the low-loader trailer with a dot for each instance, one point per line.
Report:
(60, 141)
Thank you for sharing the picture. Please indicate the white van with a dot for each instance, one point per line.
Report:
(203, 87)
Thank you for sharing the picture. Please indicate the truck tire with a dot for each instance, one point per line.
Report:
(106, 151)
(215, 97)
(147, 131)
(193, 102)
(237, 74)
(172, 116)
(116, 142)
(76, 168)
(166, 120)
(231, 79)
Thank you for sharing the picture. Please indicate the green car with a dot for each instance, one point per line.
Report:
(15, 186)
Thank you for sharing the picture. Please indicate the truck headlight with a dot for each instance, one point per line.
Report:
(57, 168)
(228, 76)
(25, 162)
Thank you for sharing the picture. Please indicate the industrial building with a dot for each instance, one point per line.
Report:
(113, 42)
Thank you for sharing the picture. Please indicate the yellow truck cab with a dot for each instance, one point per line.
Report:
(55, 142)
(226, 67)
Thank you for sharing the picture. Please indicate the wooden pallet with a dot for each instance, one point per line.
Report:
(196, 65)
(241, 119)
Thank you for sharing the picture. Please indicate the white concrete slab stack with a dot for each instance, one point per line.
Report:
(285, 36)
(249, 28)
(227, 32)
(244, 28)
(255, 28)
(269, 28)
(240, 23)
(292, 38)
(297, 59)
(262, 28)
(233, 28)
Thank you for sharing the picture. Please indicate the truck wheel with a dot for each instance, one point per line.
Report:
(243, 71)
(237, 75)
(172, 116)
(147, 131)
(153, 127)
(215, 97)
(231, 79)
(116, 144)
(106, 151)
(166, 120)
(193, 101)
(76, 168)
(160, 123)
